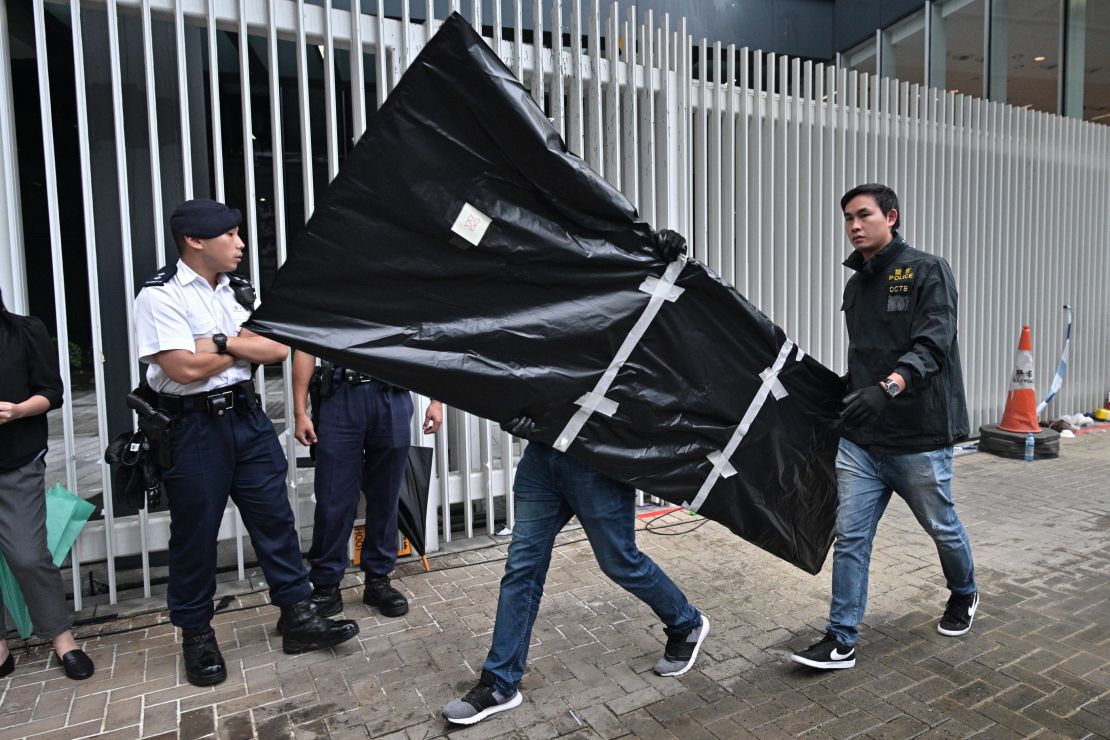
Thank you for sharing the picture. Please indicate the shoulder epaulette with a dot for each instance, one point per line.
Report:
(163, 276)
(236, 279)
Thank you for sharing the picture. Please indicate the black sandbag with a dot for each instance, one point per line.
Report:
(1046, 443)
(527, 320)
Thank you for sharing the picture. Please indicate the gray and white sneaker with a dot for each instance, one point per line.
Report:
(480, 702)
(682, 650)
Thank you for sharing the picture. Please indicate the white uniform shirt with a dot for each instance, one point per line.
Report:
(174, 315)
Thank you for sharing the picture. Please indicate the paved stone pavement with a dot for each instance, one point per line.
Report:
(1037, 661)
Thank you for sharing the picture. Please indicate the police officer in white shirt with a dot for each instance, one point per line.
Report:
(187, 324)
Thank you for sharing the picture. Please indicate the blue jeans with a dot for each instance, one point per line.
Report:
(865, 481)
(550, 488)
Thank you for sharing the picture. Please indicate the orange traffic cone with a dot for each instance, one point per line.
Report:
(1021, 403)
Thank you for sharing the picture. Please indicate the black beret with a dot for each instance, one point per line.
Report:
(204, 218)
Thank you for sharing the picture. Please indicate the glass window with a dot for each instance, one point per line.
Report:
(904, 46)
(862, 58)
(1096, 78)
(1025, 53)
(958, 47)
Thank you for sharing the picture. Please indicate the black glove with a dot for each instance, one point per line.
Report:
(864, 405)
(669, 244)
(520, 426)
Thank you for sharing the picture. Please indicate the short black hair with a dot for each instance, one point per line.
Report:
(179, 240)
(884, 196)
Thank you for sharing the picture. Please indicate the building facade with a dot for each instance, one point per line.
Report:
(113, 111)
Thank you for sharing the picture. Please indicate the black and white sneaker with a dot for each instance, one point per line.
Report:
(682, 650)
(830, 653)
(480, 702)
(959, 614)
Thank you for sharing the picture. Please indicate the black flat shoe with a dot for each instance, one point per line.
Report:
(77, 665)
(8, 667)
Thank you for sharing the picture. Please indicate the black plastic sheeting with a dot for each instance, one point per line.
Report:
(528, 320)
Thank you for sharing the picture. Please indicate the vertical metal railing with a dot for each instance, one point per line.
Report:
(54, 218)
(747, 155)
(91, 268)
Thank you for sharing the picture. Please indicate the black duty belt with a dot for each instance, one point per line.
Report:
(216, 402)
(354, 377)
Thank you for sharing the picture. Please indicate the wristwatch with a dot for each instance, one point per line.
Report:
(220, 341)
(890, 386)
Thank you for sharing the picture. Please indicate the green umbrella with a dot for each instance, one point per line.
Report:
(66, 514)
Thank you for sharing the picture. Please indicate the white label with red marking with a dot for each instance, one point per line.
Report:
(471, 224)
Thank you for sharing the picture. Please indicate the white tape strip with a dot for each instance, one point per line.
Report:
(776, 387)
(727, 471)
(770, 379)
(597, 403)
(660, 291)
(798, 357)
(651, 284)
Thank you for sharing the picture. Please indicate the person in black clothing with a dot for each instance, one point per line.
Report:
(904, 411)
(29, 387)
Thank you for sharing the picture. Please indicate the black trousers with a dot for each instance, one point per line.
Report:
(363, 447)
(236, 455)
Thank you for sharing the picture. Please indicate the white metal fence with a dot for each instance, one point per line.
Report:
(746, 153)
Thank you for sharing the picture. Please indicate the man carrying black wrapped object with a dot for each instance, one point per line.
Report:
(550, 488)
(905, 410)
(463, 253)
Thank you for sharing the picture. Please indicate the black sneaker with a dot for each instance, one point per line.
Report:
(959, 614)
(830, 653)
(682, 650)
(480, 702)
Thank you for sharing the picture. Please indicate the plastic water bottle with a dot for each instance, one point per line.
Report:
(1030, 445)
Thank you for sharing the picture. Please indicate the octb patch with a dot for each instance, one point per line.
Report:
(900, 286)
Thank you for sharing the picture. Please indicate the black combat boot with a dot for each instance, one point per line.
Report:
(390, 601)
(302, 629)
(326, 600)
(204, 666)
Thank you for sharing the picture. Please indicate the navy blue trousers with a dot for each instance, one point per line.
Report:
(362, 445)
(236, 455)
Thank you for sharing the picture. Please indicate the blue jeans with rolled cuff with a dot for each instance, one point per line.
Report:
(865, 482)
(550, 488)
